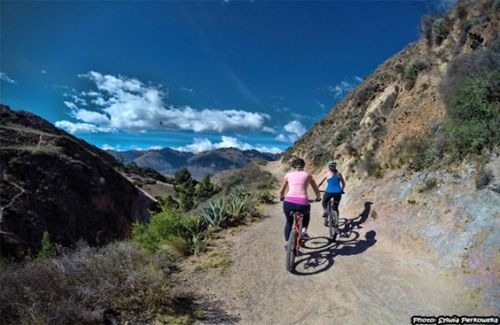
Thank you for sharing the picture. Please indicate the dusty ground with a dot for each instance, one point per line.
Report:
(362, 278)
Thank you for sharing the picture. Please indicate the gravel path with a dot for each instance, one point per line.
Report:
(359, 279)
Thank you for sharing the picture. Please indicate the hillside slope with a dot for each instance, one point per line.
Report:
(52, 181)
(435, 190)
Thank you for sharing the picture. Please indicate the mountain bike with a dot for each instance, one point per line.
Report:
(294, 241)
(332, 217)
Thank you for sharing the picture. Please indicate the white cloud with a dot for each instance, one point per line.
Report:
(320, 104)
(6, 78)
(294, 130)
(295, 127)
(43, 71)
(189, 90)
(282, 138)
(203, 144)
(108, 147)
(81, 127)
(90, 117)
(70, 105)
(344, 87)
(130, 105)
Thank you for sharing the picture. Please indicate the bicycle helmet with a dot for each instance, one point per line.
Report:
(332, 164)
(298, 163)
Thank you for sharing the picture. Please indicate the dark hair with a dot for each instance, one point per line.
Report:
(298, 163)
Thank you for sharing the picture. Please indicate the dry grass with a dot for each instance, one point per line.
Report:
(88, 286)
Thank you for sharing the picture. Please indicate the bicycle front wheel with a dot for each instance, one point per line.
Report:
(290, 251)
(332, 224)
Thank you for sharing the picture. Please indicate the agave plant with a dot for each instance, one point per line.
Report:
(235, 206)
(197, 243)
(215, 213)
(239, 192)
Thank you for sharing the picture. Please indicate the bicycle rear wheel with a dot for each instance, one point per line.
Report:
(332, 223)
(291, 251)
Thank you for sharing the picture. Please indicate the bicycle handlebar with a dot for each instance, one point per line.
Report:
(310, 201)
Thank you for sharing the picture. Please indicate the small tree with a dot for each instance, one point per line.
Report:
(205, 189)
(47, 249)
(185, 188)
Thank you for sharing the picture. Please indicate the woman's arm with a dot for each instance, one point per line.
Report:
(342, 181)
(315, 187)
(324, 178)
(284, 185)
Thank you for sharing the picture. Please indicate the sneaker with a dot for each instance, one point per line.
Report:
(304, 236)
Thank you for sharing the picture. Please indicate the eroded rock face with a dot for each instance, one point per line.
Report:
(52, 181)
(449, 211)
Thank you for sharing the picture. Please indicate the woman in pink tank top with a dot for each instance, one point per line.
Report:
(296, 200)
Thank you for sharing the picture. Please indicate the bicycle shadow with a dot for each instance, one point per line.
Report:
(319, 252)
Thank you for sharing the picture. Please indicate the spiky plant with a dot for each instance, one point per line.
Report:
(215, 213)
(235, 207)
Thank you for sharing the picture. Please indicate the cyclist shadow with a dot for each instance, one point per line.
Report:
(350, 224)
(319, 252)
(323, 257)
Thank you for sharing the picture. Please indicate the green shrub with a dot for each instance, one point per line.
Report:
(474, 116)
(440, 30)
(483, 178)
(164, 226)
(47, 249)
(429, 184)
(371, 166)
(205, 189)
(264, 197)
(426, 28)
(185, 187)
(412, 69)
(420, 153)
(496, 6)
(177, 246)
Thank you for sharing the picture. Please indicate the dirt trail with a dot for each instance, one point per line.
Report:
(361, 279)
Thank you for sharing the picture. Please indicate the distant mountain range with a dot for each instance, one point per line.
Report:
(210, 162)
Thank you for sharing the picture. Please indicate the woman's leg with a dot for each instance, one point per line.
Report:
(337, 197)
(289, 219)
(306, 211)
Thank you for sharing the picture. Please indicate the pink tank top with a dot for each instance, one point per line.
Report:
(297, 187)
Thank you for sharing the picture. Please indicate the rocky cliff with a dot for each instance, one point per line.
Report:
(52, 181)
(419, 139)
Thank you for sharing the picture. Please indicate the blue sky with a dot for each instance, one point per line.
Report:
(195, 75)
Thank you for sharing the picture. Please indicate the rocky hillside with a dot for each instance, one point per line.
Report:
(210, 162)
(52, 181)
(419, 139)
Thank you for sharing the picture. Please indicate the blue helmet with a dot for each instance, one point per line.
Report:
(332, 164)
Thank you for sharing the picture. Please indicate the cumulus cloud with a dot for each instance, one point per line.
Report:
(294, 130)
(203, 144)
(344, 87)
(81, 127)
(295, 127)
(128, 104)
(6, 78)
